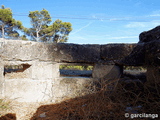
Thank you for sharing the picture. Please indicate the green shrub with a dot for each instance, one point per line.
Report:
(76, 67)
(141, 68)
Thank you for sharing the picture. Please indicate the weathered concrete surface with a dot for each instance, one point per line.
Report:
(1, 78)
(151, 35)
(151, 39)
(73, 87)
(27, 50)
(107, 72)
(135, 58)
(44, 70)
(28, 90)
(44, 83)
(16, 50)
(110, 52)
(75, 53)
(152, 55)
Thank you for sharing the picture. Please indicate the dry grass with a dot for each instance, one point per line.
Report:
(107, 103)
(4, 104)
(104, 104)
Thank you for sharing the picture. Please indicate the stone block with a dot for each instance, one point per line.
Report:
(28, 90)
(116, 51)
(136, 56)
(61, 52)
(57, 90)
(71, 87)
(44, 70)
(74, 53)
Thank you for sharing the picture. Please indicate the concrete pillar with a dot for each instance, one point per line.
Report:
(45, 70)
(107, 72)
(107, 76)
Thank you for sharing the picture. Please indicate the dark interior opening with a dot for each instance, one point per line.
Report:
(12, 69)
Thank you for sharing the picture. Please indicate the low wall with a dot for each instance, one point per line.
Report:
(39, 78)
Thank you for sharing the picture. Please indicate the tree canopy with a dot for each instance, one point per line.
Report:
(42, 30)
(58, 31)
(8, 25)
(39, 20)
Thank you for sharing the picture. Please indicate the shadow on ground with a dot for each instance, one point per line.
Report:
(9, 116)
(105, 105)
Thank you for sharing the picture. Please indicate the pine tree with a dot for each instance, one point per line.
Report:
(8, 25)
(42, 31)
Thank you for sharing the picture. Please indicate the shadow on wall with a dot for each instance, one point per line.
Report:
(74, 53)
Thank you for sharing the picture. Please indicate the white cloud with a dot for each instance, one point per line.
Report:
(81, 28)
(122, 37)
(155, 13)
(150, 24)
(136, 24)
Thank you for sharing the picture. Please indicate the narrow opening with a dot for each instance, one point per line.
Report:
(16, 71)
(75, 70)
(134, 72)
(135, 68)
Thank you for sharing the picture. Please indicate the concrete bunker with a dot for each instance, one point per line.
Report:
(45, 78)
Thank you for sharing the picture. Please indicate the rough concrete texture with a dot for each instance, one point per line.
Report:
(107, 72)
(27, 50)
(151, 35)
(70, 87)
(1, 78)
(75, 53)
(135, 58)
(17, 50)
(44, 70)
(44, 82)
(27, 90)
(110, 52)
(151, 39)
(152, 54)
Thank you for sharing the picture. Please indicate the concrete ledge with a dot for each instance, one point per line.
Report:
(18, 50)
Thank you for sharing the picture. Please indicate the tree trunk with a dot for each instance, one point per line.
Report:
(37, 36)
(2, 31)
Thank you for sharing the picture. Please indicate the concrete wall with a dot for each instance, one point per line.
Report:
(40, 79)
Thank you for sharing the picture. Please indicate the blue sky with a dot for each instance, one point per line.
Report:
(95, 21)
